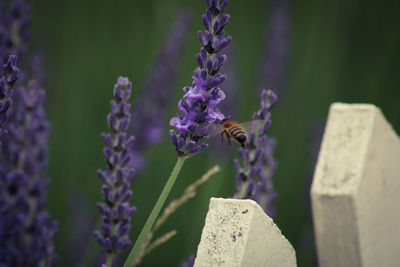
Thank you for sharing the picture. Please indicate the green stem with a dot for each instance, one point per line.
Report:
(110, 258)
(154, 213)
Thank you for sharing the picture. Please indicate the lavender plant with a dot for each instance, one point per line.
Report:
(26, 229)
(149, 113)
(14, 34)
(8, 78)
(116, 211)
(253, 179)
(199, 104)
(14, 20)
(272, 70)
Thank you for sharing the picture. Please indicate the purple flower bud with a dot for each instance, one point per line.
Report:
(126, 196)
(220, 61)
(200, 60)
(123, 244)
(99, 238)
(220, 44)
(106, 228)
(124, 229)
(9, 75)
(122, 89)
(207, 21)
(236, 164)
(223, 4)
(224, 20)
(202, 38)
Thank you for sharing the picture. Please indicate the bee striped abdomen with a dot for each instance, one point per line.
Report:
(237, 132)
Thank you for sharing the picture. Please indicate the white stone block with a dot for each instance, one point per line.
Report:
(239, 233)
(356, 189)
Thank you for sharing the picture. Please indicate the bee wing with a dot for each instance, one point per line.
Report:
(213, 129)
(254, 125)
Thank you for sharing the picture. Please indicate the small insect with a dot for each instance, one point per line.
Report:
(231, 129)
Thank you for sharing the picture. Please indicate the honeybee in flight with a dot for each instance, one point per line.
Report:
(231, 129)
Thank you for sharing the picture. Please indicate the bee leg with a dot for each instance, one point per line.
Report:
(222, 137)
(229, 140)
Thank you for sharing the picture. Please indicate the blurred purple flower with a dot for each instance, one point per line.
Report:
(8, 77)
(81, 221)
(188, 263)
(14, 22)
(26, 230)
(254, 175)
(274, 58)
(37, 67)
(116, 211)
(199, 104)
(149, 113)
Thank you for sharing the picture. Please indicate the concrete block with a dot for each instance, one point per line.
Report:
(356, 189)
(239, 233)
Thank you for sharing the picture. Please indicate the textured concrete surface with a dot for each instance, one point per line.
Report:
(239, 233)
(356, 189)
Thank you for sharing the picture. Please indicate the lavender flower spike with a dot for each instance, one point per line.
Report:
(273, 66)
(26, 229)
(199, 104)
(9, 75)
(253, 179)
(14, 22)
(116, 211)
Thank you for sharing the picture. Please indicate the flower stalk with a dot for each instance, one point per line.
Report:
(154, 213)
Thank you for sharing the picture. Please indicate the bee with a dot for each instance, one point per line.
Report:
(230, 129)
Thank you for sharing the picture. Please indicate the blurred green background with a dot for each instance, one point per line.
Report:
(340, 51)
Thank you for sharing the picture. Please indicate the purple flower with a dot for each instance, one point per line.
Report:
(9, 75)
(26, 230)
(189, 262)
(116, 211)
(149, 113)
(253, 179)
(14, 22)
(274, 58)
(81, 220)
(198, 106)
